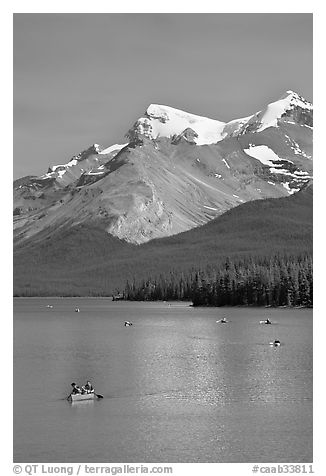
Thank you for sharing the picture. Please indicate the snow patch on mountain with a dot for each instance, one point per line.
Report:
(232, 128)
(297, 174)
(61, 173)
(112, 148)
(53, 168)
(290, 190)
(297, 150)
(277, 165)
(58, 171)
(210, 208)
(263, 153)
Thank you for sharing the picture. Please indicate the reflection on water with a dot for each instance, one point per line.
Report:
(81, 405)
(177, 386)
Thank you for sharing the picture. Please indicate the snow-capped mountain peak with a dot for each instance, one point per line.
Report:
(275, 110)
(296, 100)
(165, 121)
(178, 171)
(86, 162)
(290, 107)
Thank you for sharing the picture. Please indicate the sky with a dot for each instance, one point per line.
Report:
(81, 79)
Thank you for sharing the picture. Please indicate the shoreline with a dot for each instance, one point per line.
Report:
(186, 303)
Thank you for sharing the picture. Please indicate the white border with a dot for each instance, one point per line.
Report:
(96, 6)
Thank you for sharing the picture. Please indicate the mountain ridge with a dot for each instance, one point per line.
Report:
(178, 171)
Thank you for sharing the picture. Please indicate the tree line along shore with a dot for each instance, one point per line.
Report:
(251, 281)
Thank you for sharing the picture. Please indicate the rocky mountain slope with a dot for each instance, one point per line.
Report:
(176, 172)
(84, 260)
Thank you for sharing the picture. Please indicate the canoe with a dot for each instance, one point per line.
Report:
(78, 397)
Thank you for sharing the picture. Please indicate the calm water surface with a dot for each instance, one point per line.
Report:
(178, 387)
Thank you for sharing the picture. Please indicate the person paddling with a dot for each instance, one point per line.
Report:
(75, 389)
(88, 387)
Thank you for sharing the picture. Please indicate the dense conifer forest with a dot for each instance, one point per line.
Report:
(251, 281)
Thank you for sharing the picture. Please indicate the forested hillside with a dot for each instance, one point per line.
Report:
(86, 261)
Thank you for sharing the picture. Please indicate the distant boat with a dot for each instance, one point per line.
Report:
(49, 306)
(77, 309)
(222, 321)
(127, 323)
(276, 343)
(118, 297)
(266, 321)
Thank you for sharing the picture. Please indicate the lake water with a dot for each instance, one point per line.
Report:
(177, 386)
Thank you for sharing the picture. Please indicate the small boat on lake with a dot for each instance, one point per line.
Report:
(222, 321)
(276, 343)
(118, 297)
(86, 393)
(78, 397)
(266, 321)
